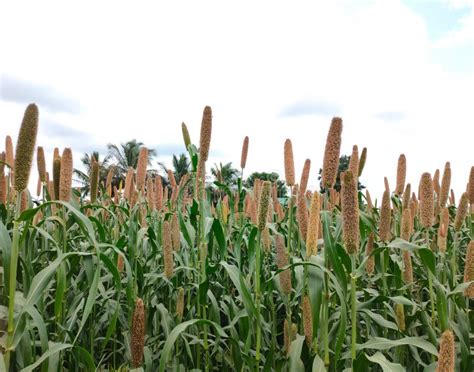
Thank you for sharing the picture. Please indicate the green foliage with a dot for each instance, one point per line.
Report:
(344, 161)
(272, 177)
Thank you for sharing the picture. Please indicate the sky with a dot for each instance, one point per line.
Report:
(400, 73)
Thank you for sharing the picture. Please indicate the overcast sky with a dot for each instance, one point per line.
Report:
(399, 73)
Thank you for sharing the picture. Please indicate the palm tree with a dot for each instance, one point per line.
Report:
(225, 173)
(83, 177)
(181, 166)
(126, 155)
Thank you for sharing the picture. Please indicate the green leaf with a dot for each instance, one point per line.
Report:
(236, 277)
(387, 366)
(41, 281)
(296, 365)
(330, 248)
(380, 320)
(428, 259)
(90, 301)
(318, 365)
(55, 348)
(403, 244)
(379, 343)
(176, 332)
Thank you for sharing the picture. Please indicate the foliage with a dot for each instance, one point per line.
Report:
(344, 161)
(272, 177)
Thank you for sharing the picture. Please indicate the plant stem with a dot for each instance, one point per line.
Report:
(353, 312)
(12, 284)
(257, 299)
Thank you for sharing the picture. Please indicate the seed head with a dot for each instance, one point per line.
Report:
(286, 336)
(302, 215)
(9, 154)
(370, 266)
(401, 174)
(158, 193)
(137, 336)
(406, 225)
(289, 163)
(447, 352)
(167, 250)
(471, 186)
(426, 200)
(307, 320)
(263, 205)
(94, 180)
(24, 200)
(443, 230)
(65, 177)
(2, 163)
(25, 147)
(461, 212)
(150, 195)
(266, 240)
(436, 185)
(245, 150)
(120, 263)
(407, 268)
(108, 180)
(400, 314)
(175, 232)
(385, 217)
(56, 177)
(186, 136)
(445, 185)
(305, 176)
(3, 189)
(370, 205)
(141, 168)
(413, 205)
(128, 183)
(469, 270)
(452, 199)
(171, 178)
(180, 303)
(41, 163)
(406, 196)
(282, 261)
(331, 153)
(387, 186)
(313, 226)
(350, 214)
(354, 163)
(206, 131)
(363, 159)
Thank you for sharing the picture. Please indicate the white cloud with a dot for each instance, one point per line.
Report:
(140, 71)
